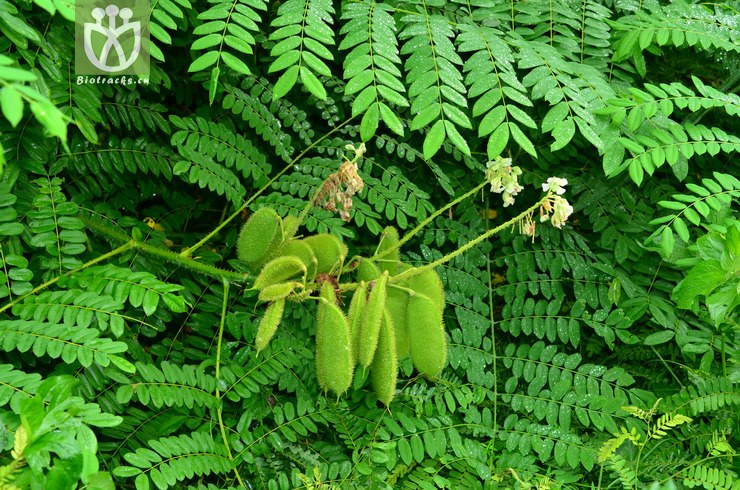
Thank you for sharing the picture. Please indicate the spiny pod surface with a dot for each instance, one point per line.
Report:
(330, 252)
(397, 303)
(278, 291)
(260, 234)
(387, 255)
(298, 248)
(269, 324)
(367, 270)
(372, 321)
(290, 226)
(355, 316)
(384, 369)
(279, 270)
(427, 341)
(334, 366)
(429, 284)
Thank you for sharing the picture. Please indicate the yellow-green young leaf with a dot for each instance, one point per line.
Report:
(269, 324)
(372, 320)
(329, 251)
(369, 123)
(51, 118)
(667, 241)
(258, 235)
(427, 341)
(429, 284)
(235, 63)
(498, 141)
(312, 83)
(298, 248)
(397, 303)
(278, 291)
(285, 82)
(390, 119)
(367, 270)
(355, 315)
(213, 84)
(434, 139)
(636, 171)
(279, 270)
(384, 369)
(11, 104)
(203, 61)
(456, 138)
(334, 366)
(680, 226)
(387, 255)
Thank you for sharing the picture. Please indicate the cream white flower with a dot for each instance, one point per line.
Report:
(504, 179)
(556, 185)
(561, 211)
(555, 209)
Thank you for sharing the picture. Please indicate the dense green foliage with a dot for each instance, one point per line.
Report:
(604, 353)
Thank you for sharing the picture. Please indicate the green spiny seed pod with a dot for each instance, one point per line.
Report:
(367, 270)
(429, 284)
(275, 292)
(387, 255)
(397, 303)
(384, 369)
(279, 270)
(334, 366)
(259, 235)
(427, 341)
(330, 252)
(269, 324)
(328, 293)
(298, 248)
(372, 321)
(290, 226)
(355, 316)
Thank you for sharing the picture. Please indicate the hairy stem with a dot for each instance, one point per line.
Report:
(219, 410)
(98, 226)
(126, 246)
(418, 270)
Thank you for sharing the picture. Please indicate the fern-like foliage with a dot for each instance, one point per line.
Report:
(372, 67)
(226, 24)
(302, 34)
(206, 146)
(492, 78)
(654, 138)
(680, 24)
(128, 327)
(174, 459)
(435, 83)
(712, 196)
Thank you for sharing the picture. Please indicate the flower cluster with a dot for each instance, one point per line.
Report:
(504, 179)
(340, 186)
(556, 209)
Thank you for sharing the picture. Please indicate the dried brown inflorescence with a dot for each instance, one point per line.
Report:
(339, 187)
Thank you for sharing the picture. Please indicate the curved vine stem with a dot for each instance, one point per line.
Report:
(418, 270)
(126, 246)
(219, 410)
